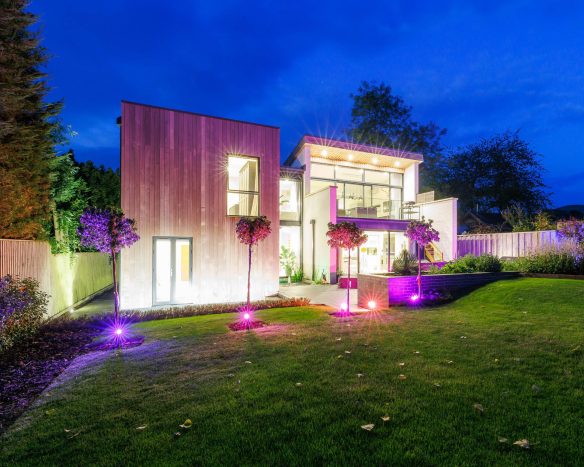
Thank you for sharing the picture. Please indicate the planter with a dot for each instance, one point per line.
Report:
(344, 281)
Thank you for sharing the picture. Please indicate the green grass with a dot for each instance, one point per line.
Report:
(254, 413)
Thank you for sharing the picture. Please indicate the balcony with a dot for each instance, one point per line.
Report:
(378, 209)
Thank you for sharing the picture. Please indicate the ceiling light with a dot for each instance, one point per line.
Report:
(324, 153)
(375, 160)
(350, 157)
(398, 163)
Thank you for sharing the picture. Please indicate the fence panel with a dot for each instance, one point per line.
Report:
(506, 245)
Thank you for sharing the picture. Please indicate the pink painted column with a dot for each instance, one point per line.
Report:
(334, 254)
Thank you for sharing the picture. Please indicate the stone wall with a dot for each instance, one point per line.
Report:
(395, 290)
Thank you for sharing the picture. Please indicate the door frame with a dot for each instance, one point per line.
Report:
(173, 240)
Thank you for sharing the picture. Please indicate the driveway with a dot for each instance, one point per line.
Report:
(328, 294)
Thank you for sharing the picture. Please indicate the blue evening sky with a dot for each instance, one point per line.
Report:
(473, 67)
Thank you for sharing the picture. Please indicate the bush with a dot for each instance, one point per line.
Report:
(566, 258)
(405, 264)
(471, 263)
(22, 307)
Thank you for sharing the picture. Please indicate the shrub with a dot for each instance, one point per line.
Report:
(565, 258)
(471, 263)
(22, 307)
(405, 264)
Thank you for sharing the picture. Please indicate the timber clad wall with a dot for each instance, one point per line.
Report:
(174, 183)
(507, 244)
(68, 279)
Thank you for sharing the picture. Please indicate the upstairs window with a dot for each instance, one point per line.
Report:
(243, 195)
(289, 200)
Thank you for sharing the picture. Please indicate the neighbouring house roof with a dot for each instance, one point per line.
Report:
(471, 219)
(353, 147)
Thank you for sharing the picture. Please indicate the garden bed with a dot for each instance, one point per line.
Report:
(28, 367)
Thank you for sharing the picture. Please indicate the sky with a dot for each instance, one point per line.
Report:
(476, 68)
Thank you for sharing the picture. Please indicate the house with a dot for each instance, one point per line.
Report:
(187, 178)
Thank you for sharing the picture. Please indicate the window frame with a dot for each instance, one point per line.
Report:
(243, 192)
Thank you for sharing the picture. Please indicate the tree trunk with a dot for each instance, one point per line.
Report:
(349, 284)
(419, 271)
(116, 298)
(248, 277)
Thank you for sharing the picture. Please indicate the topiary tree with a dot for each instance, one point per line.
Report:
(108, 231)
(250, 231)
(346, 235)
(423, 234)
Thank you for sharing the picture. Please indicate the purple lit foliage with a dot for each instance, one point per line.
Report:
(572, 229)
(108, 231)
(22, 307)
(423, 234)
(346, 235)
(250, 231)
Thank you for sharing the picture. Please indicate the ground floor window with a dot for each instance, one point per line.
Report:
(376, 254)
(290, 239)
(172, 270)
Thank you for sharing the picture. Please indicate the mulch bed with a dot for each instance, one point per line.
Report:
(343, 314)
(246, 325)
(30, 366)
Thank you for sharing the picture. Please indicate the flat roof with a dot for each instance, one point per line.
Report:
(351, 146)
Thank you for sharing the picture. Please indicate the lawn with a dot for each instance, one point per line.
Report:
(298, 391)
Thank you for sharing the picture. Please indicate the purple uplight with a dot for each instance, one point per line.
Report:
(344, 306)
(119, 331)
(246, 316)
(415, 298)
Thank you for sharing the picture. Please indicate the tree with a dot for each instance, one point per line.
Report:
(104, 184)
(108, 231)
(423, 234)
(250, 231)
(68, 200)
(381, 118)
(495, 173)
(346, 235)
(572, 229)
(29, 128)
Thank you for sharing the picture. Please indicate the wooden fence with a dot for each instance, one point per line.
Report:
(67, 278)
(506, 245)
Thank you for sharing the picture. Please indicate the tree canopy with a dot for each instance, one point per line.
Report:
(495, 173)
(103, 184)
(381, 118)
(29, 128)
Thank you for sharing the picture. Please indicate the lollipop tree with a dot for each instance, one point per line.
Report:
(423, 234)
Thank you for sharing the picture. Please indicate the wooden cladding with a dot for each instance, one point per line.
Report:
(175, 184)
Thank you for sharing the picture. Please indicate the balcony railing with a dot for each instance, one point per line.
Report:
(379, 209)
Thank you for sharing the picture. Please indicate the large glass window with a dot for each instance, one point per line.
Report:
(317, 185)
(290, 242)
(322, 171)
(243, 186)
(373, 176)
(289, 200)
(349, 173)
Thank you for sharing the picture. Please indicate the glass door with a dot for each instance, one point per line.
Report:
(172, 270)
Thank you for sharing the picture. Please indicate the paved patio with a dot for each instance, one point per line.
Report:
(321, 294)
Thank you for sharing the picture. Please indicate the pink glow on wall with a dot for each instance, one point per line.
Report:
(333, 219)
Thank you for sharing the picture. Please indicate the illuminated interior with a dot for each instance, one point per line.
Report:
(374, 255)
(172, 270)
(289, 200)
(243, 188)
(290, 238)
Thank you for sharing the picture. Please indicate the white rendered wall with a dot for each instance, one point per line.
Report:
(411, 183)
(320, 207)
(444, 214)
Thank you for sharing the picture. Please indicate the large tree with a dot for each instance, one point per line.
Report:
(104, 184)
(495, 173)
(382, 118)
(29, 129)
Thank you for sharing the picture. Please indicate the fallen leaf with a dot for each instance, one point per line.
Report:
(339, 356)
(502, 440)
(368, 427)
(187, 424)
(338, 338)
(50, 412)
(74, 435)
(177, 434)
(298, 384)
(360, 375)
(143, 427)
(385, 418)
(348, 325)
(67, 431)
(463, 337)
(522, 443)
(294, 334)
(576, 349)
(496, 360)
(417, 352)
(450, 362)
(402, 377)
(478, 408)
(247, 361)
(347, 351)
(437, 385)
(535, 388)
(402, 364)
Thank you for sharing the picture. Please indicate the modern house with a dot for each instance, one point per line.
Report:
(187, 178)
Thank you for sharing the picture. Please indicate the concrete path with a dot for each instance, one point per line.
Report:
(103, 303)
(321, 294)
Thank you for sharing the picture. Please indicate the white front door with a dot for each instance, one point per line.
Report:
(172, 270)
